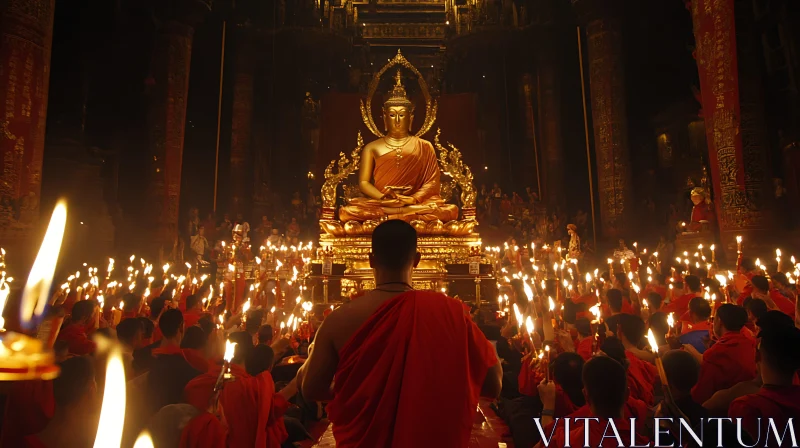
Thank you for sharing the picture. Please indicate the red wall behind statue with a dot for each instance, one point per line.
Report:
(341, 120)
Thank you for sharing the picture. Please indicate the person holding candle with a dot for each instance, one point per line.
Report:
(194, 310)
(693, 288)
(378, 350)
(83, 318)
(773, 297)
(252, 408)
(697, 330)
(778, 399)
(129, 334)
(614, 308)
(606, 390)
(681, 370)
(729, 361)
(641, 374)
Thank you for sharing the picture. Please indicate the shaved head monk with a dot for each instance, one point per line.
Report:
(400, 367)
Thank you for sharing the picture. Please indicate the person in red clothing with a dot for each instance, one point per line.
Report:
(132, 305)
(697, 330)
(585, 346)
(252, 408)
(731, 360)
(641, 374)
(773, 297)
(756, 309)
(157, 307)
(616, 307)
(378, 349)
(679, 306)
(778, 399)
(84, 316)
(194, 310)
(606, 391)
(75, 418)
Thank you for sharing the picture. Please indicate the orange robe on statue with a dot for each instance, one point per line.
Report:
(416, 349)
(418, 170)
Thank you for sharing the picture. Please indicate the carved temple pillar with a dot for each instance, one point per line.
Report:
(169, 91)
(549, 95)
(733, 110)
(241, 128)
(27, 35)
(606, 69)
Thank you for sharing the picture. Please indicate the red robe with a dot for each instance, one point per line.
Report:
(253, 410)
(633, 409)
(204, 431)
(78, 342)
(641, 376)
(728, 362)
(389, 365)
(596, 431)
(29, 407)
(190, 318)
(776, 403)
(680, 305)
(585, 348)
(784, 304)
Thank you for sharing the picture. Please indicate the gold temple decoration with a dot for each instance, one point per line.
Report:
(431, 106)
(346, 168)
(452, 165)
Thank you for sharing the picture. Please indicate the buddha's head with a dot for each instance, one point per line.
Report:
(398, 111)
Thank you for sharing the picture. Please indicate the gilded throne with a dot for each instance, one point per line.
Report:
(399, 175)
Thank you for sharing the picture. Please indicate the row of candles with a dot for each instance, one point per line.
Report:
(573, 283)
(36, 295)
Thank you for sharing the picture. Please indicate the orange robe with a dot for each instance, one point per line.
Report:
(388, 370)
(253, 410)
(204, 431)
(728, 362)
(418, 170)
(785, 305)
(585, 348)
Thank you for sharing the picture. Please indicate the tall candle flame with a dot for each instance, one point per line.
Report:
(529, 325)
(229, 348)
(144, 441)
(37, 289)
(552, 304)
(528, 291)
(112, 414)
(652, 340)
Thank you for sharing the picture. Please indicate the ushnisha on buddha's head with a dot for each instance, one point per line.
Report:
(398, 111)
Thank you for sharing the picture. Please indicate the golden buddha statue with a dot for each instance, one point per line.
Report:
(398, 174)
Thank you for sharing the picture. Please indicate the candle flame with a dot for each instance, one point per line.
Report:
(528, 291)
(552, 304)
(739, 239)
(229, 349)
(144, 441)
(112, 414)
(37, 289)
(670, 320)
(721, 279)
(529, 325)
(588, 277)
(652, 340)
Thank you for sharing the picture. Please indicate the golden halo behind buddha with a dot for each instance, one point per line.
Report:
(398, 96)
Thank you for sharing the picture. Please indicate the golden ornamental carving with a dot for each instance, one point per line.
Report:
(345, 168)
(452, 165)
(431, 105)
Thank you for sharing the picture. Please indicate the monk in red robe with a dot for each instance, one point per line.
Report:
(778, 400)
(585, 346)
(194, 310)
(395, 349)
(204, 431)
(679, 306)
(606, 390)
(253, 411)
(731, 360)
(84, 317)
(75, 417)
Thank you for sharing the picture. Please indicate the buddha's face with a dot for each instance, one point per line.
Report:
(397, 120)
(697, 199)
